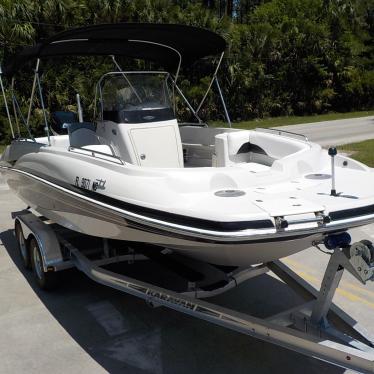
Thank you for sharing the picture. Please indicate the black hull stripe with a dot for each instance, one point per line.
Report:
(351, 213)
(189, 237)
(197, 223)
(161, 232)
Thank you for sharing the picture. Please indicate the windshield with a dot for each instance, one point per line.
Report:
(136, 97)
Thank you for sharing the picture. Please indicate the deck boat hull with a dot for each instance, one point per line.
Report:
(76, 213)
(73, 208)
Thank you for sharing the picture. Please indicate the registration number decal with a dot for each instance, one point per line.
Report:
(88, 184)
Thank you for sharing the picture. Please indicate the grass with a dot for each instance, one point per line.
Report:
(2, 147)
(294, 120)
(362, 151)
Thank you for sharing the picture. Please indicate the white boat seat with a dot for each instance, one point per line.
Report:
(235, 147)
(82, 134)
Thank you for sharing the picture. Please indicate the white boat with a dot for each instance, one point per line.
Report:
(222, 195)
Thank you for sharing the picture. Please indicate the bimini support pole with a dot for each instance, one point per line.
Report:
(211, 83)
(172, 49)
(18, 114)
(14, 108)
(223, 102)
(6, 103)
(79, 106)
(42, 102)
(164, 46)
(186, 100)
(17, 107)
(127, 79)
(32, 92)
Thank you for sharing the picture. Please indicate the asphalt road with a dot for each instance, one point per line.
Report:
(330, 133)
(83, 327)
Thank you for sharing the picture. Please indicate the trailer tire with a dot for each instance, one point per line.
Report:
(23, 247)
(45, 280)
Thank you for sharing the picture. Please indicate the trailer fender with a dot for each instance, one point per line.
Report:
(50, 249)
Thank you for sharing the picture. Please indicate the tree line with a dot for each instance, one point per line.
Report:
(284, 57)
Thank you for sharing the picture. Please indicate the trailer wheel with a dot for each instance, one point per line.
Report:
(23, 249)
(46, 280)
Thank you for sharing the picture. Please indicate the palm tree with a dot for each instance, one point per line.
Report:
(16, 26)
(100, 11)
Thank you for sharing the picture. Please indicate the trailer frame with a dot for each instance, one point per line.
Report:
(310, 328)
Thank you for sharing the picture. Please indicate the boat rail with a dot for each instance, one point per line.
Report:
(283, 132)
(97, 154)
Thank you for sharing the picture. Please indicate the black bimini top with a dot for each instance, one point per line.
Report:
(149, 41)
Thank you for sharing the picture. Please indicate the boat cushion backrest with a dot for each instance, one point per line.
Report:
(81, 134)
(236, 140)
(277, 146)
(239, 147)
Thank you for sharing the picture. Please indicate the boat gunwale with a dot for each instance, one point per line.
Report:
(238, 237)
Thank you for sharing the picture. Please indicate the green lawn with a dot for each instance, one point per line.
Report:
(362, 151)
(293, 120)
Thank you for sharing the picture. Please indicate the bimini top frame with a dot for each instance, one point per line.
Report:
(172, 46)
(167, 44)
